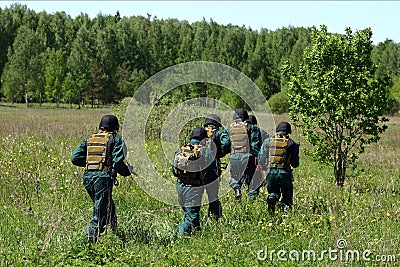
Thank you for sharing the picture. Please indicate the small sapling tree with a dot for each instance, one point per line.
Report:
(335, 98)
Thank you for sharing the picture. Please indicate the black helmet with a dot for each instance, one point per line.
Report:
(284, 128)
(109, 123)
(253, 119)
(212, 119)
(241, 113)
(198, 133)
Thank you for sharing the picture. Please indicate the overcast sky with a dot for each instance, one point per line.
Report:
(381, 16)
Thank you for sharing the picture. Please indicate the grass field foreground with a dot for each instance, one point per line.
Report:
(44, 208)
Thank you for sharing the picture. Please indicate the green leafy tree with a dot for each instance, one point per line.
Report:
(10, 21)
(336, 99)
(386, 56)
(55, 74)
(185, 44)
(78, 63)
(21, 76)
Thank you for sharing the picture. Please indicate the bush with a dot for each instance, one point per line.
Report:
(279, 103)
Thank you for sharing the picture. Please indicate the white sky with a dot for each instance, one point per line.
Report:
(381, 16)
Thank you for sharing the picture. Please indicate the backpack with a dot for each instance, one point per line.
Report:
(189, 163)
(99, 149)
(239, 137)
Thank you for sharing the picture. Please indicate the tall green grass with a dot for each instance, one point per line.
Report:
(44, 207)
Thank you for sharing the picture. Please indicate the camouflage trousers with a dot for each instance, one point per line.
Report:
(99, 187)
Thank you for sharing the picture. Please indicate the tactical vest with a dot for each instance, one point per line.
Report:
(99, 150)
(239, 137)
(277, 152)
(189, 164)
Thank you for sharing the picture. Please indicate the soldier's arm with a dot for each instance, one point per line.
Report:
(263, 154)
(119, 157)
(173, 167)
(78, 157)
(264, 134)
(255, 141)
(294, 155)
(225, 142)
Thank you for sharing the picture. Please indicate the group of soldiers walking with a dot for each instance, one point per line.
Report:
(197, 167)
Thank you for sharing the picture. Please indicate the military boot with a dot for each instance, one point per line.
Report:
(238, 194)
(271, 201)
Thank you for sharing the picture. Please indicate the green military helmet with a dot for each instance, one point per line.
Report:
(241, 113)
(109, 123)
(284, 128)
(212, 119)
(253, 119)
(198, 133)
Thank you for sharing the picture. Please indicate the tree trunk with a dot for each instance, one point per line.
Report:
(340, 169)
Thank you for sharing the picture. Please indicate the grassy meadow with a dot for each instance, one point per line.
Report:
(44, 207)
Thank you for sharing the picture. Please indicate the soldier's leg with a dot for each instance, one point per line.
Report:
(273, 189)
(111, 210)
(238, 165)
(214, 206)
(189, 198)
(287, 191)
(253, 178)
(100, 207)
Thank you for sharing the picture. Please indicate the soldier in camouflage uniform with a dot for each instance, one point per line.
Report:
(103, 156)
(221, 145)
(245, 146)
(277, 156)
(191, 179)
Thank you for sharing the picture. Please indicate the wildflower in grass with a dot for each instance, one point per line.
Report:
(387, 214)
(332, 217)
(315, 222)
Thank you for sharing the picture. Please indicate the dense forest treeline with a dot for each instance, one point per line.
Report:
(55, 58)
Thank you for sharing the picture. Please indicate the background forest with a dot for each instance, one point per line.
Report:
(83, 61)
